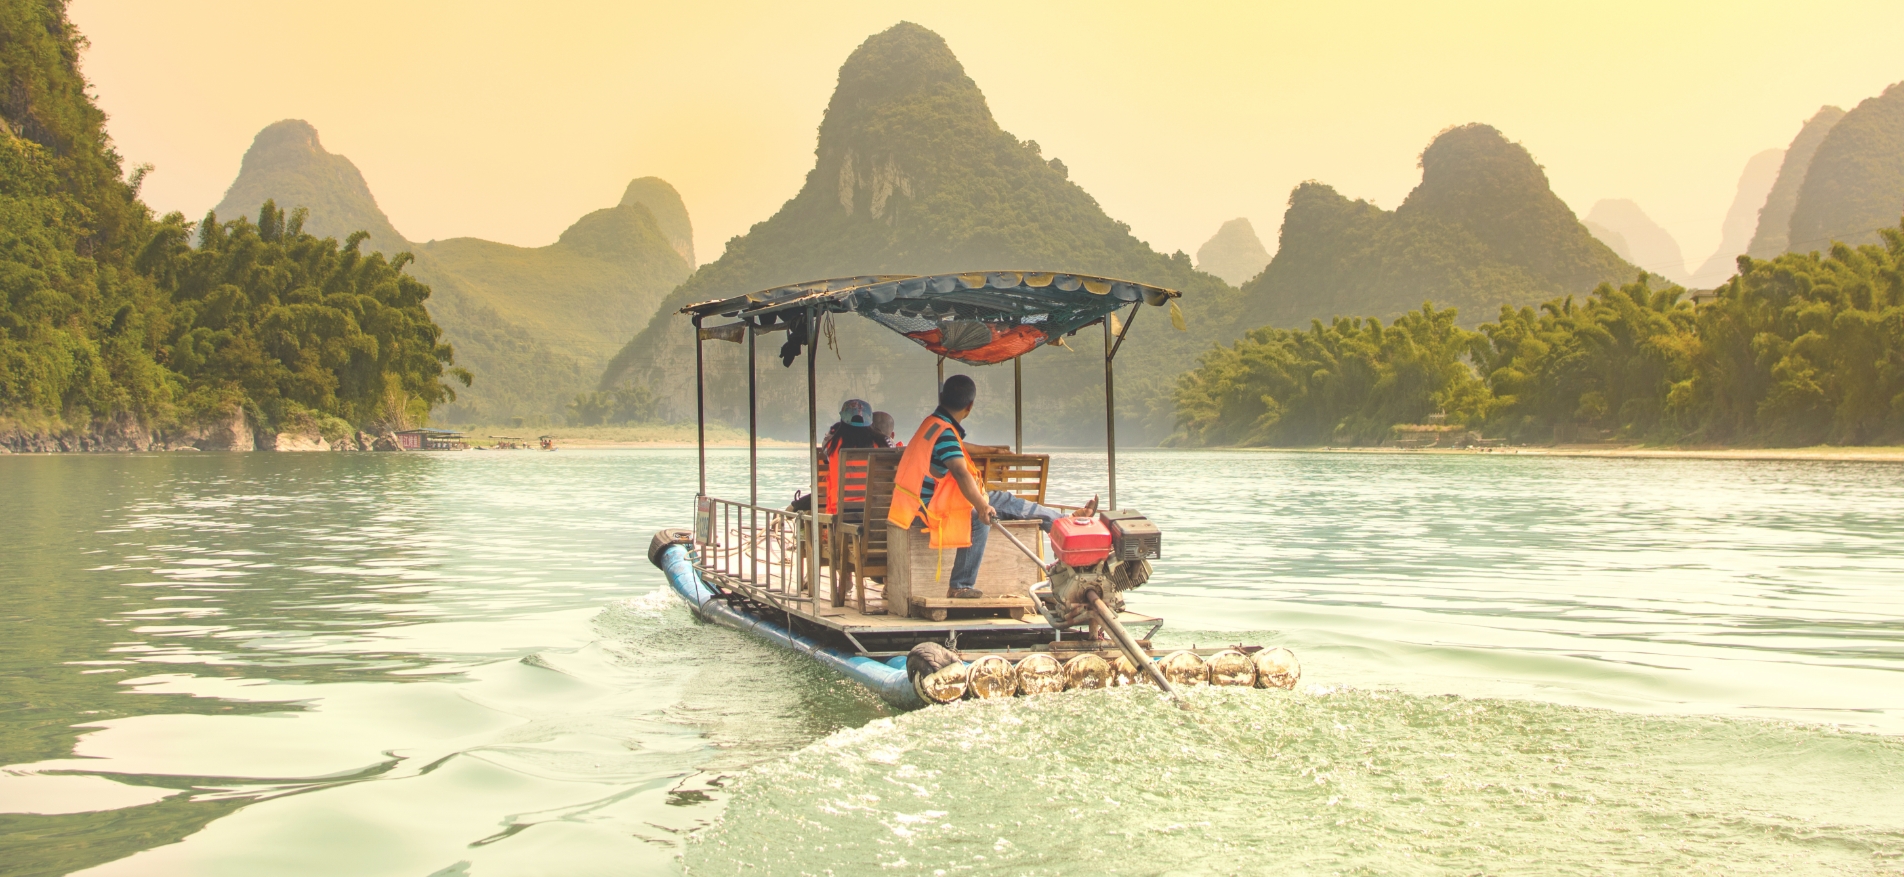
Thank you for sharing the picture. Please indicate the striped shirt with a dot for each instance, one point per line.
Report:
(946, 453)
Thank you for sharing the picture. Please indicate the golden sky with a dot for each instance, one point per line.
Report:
(508, 121)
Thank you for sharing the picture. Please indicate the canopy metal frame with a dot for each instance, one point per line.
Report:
(768, 311)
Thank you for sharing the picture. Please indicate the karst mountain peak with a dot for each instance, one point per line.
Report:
(1482, 229)
(912, 174)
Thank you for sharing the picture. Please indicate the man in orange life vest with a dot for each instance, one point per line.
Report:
(936, 481)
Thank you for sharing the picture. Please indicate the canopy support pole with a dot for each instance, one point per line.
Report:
(1110, 413)
(753, 450)
(941, 384)
(1018, 403)
(1128, 320)
(700, 406)
(813, 459)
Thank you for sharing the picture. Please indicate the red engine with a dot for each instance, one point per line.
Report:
(1080, 541)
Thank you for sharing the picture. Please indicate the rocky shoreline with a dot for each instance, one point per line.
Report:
(234, 432)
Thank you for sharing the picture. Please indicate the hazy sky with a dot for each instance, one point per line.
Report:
(508, 121)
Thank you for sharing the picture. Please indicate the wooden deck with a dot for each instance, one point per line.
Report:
(878, 633)
(880, 590)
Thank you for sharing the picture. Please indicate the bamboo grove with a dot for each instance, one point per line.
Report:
(110, 315)
(1806, 348)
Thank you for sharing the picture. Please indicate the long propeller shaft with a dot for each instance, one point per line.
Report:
(1125, 641)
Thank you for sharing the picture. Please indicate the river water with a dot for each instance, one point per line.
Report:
(462, 664)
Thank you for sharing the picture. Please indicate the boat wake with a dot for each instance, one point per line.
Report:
(1320, 779)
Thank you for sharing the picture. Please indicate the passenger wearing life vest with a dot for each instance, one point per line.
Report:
(938, 485)
(855, 430)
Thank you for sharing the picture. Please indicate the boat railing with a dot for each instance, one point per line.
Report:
(761, 547)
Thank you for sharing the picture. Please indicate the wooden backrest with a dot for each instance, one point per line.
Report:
(882, 464)
(1021, 475)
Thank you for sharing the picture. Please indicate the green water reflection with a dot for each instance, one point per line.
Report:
(401, 664)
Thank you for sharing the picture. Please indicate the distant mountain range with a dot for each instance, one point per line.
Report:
(1735, 235)
(913, 175)
(1841, 179)
(1622, 225)
(535, 325)
(1234, 253)
(1482, 230)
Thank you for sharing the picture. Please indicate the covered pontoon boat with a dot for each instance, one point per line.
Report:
(870, 600)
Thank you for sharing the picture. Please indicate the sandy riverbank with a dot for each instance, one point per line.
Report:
(682, 436)
(1819, 452)
(653, 435)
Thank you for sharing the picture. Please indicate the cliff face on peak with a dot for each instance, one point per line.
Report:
(1855, 184)
(1234, 253)
(534, 325)
(1773, 236)
(1482, 230)
(913, 175)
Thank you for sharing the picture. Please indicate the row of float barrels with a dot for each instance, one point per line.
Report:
(993, 676)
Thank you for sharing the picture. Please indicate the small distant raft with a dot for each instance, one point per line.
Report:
(871, 601)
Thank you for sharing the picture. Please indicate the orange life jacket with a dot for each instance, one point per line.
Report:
(829, 460)
(949, 514)
(837, 484)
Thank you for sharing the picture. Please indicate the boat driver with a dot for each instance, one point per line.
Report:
(937, 483)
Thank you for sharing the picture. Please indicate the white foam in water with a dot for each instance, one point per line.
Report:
(653, 604)
(1379, 782)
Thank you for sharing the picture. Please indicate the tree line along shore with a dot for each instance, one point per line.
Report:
(1803, 349)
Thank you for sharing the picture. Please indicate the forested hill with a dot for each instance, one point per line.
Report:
(120, 331)
(541, 322)
(287, 164)
(1483, 229)
(1799, 350)
(1855, 184)
(534, 325)
(913, 175)
(1773, 235)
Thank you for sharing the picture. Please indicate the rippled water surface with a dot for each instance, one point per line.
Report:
(461, 664)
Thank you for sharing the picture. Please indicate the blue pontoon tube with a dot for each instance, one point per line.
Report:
(888, 680)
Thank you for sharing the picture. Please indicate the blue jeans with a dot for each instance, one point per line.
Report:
(1008, 507)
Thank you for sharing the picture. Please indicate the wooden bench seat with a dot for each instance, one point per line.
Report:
(863, 548)
(1021, 475)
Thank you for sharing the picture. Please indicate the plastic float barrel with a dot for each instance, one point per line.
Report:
(1231, 667)
(888, 680)
(942, 686)
(936, 672)
(1184, 668)
(1039, 674)
(1277, 668)
(990, 677)
(1087, 671)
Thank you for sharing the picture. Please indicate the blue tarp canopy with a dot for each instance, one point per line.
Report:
(975, 317)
